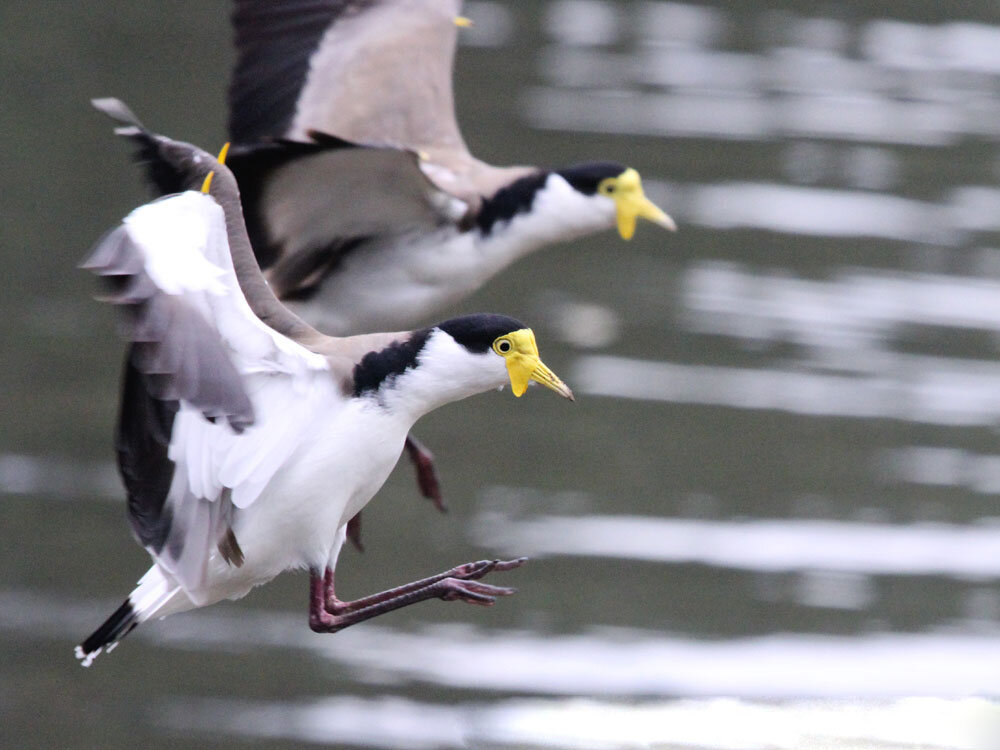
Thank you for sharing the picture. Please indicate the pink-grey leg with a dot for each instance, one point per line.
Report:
(423, 461)
(328, 614)
(427, 481)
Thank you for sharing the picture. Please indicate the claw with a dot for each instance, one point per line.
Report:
(475, 570)
(482, 594)
(509, 564)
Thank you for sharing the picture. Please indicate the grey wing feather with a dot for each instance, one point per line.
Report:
(172, 343)
(174, 356)
(375, 192)
(166, 518)
(370, 71)
(306, 211)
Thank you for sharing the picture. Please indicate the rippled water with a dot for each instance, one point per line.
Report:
(770, 517)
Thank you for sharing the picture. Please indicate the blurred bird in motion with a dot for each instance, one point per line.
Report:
(363, 204)
(247, 439)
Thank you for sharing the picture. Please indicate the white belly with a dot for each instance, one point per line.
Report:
(295, 521)
(391, 287)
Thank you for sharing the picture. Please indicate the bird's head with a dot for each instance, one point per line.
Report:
(621, 188)
(500, 350)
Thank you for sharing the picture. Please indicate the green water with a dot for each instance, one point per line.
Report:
(796, 392)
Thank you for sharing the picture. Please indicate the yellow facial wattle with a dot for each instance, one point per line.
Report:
(631, 203)
(520, 353)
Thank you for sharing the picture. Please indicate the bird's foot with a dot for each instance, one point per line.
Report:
(483, 594)
(473, 571)
(327, 614)
(427, 481)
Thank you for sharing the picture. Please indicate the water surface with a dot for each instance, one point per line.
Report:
(771, 515)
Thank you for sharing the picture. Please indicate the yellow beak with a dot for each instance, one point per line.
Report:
(632, 204)
(524, 365)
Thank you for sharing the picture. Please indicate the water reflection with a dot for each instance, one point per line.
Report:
(815, 211)
(779, 545)
(910, 83)
(936, 466)
(600, 661)
(720, 724)
(924, 390)
(60, 477)
(834, 172)
(856, 307)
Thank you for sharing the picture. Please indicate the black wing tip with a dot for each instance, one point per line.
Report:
(121, 622)
(171, 166)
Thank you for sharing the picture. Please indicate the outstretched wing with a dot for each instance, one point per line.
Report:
(204, 423)
(370, 71)
(156, 270)
(308, 204)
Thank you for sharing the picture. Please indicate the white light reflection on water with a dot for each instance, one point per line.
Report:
(717, 724)
(622, 662)
(825, 212)
(924, 84)
(853, 306)
(925, 390)
(938, 466)
(745, 116)
(600, 662)
(57, 476)
(781, 545)
(814, 211)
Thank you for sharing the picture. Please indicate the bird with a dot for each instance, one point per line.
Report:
(247, 439)
(364, 206)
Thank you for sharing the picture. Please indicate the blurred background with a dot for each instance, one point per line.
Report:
(769, 517)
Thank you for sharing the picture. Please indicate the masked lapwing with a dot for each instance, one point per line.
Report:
(363, 204)
(247, 439)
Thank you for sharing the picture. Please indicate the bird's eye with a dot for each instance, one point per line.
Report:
(607, 187)
(503, 346)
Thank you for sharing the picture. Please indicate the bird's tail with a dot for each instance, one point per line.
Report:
(106, 637)
(155, 596)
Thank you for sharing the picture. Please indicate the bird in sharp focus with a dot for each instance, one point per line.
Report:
(246, 439)
(363, 204)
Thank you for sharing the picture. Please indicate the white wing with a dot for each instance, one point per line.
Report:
(186, 249)
(214, 400)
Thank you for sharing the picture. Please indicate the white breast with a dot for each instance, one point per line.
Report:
(396, 283)
(294, 523)
(328, 481)
(402, 282)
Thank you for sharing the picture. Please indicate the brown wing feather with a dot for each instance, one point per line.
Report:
(372, 72)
